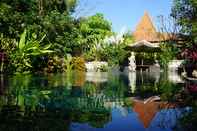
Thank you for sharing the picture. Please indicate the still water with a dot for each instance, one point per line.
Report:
(81, 101)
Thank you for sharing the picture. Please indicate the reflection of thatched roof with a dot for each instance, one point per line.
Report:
(147, 111)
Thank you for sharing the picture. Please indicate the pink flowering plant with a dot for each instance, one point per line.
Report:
(192, 88)
(190, 54)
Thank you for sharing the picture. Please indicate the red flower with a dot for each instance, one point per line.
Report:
(190, 54)
(192, 88)
(193, 56)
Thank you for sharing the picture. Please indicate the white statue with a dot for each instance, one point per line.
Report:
(132, 65)
(132, 81)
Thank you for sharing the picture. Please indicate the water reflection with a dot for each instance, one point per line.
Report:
(111, 101)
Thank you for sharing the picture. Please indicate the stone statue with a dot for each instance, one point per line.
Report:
(132, 81)
(132, 65)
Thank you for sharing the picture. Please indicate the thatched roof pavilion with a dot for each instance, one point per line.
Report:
(144, 46)
(146, 30)
(146, 37)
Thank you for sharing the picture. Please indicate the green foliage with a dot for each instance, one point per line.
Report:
(169, 91)
(48, 21)
(7, 47)
(128, 102)
(52, 17)
(103, 68)
(128, 38)
(112, 49)
(62, 31)
(94, 29)
(185, 14)
(116, 87)
(148, 58)
(169, 52)
(89, 89)
(59, 5)
(14, 17)
(115, 54)
(27, 48)
(6, 44)
(68, 63)
(55, 64)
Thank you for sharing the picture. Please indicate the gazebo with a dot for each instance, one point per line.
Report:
(147, 40)
(144, 47)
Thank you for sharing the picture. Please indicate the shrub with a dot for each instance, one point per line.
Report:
(78, 63)
(7, 46)
(169, 52)
(103, 68)
(55, 64)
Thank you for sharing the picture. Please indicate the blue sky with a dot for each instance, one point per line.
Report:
(126, 13)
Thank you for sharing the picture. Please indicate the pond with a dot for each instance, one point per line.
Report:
(80, 101)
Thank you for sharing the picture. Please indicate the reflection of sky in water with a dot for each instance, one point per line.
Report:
(165, 120)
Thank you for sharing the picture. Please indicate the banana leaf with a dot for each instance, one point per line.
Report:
(22, 40)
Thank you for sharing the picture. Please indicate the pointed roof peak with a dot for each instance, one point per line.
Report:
(145, 30)
(146, 13)
(147, 16)
(146, 20)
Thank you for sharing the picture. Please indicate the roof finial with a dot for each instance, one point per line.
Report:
(145, 30)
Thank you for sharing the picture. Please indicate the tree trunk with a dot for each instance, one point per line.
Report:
(41, 7)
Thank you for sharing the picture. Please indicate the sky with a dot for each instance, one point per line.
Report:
(125, 13)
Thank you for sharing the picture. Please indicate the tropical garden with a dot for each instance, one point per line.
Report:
(42, 39)
(184, 12)
(41, 35)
